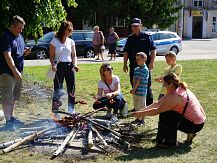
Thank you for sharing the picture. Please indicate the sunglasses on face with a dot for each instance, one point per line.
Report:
(109, 69)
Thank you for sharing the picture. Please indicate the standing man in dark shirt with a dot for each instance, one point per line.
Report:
(12, 49)
(139, 42)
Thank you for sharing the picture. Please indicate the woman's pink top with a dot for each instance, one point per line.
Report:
(194, 111)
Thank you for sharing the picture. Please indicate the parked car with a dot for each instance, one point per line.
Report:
(83, 44)
(164, 40)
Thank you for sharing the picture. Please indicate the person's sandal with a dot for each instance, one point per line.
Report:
(190, 137)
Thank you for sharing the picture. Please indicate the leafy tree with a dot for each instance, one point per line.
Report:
(36, 13)
(104, 12)
(163, 13)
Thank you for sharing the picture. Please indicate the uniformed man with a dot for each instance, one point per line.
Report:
(139, 42)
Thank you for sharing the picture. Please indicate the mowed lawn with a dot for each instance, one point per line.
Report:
(201, 78)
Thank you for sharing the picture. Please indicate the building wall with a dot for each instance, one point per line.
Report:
(207, 12)
(187, 29)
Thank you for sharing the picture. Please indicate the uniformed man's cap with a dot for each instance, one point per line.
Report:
(136, 21)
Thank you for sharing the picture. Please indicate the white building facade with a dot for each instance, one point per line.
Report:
(200, 19)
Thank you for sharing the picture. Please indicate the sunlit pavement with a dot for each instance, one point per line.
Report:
(192, 49)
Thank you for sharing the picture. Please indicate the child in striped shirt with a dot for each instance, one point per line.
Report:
(140, 85)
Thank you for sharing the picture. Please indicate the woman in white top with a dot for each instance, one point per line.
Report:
(62, 50)
(109, 90)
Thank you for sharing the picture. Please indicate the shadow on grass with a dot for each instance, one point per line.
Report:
(139, 153)
(142, 152)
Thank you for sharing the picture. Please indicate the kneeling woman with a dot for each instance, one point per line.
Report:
(179, 109)
(109, 91)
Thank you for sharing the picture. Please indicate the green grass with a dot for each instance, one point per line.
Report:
(201, 78)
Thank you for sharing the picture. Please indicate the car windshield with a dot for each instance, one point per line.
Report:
(155, 36)
(47, 37)
(77, 36)
(88, 36)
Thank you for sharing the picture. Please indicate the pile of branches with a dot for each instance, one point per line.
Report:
(98, 132)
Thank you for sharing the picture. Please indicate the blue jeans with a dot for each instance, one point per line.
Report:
(116, 103)
(65, 70)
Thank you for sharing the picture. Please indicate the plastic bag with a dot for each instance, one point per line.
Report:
(103, 47)
(124, 111)
(50, 74)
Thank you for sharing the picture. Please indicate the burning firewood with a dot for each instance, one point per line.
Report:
(101, 134)
(85, 117)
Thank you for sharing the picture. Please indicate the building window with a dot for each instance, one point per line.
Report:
(197, 3)
(214, 24)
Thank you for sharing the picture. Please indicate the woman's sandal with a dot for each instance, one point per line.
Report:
(190, 137)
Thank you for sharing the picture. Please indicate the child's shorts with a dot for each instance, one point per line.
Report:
(139, 102)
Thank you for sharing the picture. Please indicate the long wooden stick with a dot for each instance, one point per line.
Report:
(26, 139)
(32, 128)
(83, 116)
(115, 133)
(7, 144)
(90, 138)
(106, 128)
(100, 137)
(70, 136)
(121, 140)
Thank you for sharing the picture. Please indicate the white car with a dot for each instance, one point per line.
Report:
(164, 40)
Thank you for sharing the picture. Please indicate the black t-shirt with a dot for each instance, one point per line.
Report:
(141, 43)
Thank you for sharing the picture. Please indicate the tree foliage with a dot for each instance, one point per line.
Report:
(49, 13)
(36, 13)
(103, 12)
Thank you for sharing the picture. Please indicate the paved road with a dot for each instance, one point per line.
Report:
(192, 49)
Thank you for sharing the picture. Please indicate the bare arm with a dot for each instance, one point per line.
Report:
(168, 102)
(103, 38)
(99, 94)
(12, 66)
(159, 79)
(125, 68)
(116, 36)
(26, 51)
(52, 55)
(135, 85)
(116, 92)
(153, 55)
(74, 59)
